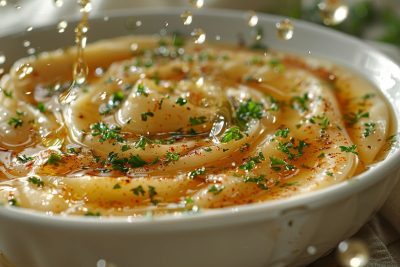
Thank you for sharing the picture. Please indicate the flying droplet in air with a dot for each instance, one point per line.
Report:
(333, 12)
(61, 26)
(58, 3)
(353, 253)
(86, 6)
(24, 70)
(199, 36)
(29, 29)
(285, 29)
(187, 17)
(3, 3)
(2, 58)
(252, 18)
(26, 43)
(197, 3)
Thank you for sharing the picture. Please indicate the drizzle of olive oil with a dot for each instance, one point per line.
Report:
(333, 12)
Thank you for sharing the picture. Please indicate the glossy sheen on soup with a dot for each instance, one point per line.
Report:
(165, 125)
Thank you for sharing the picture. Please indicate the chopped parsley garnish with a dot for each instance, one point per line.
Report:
(349, 149)
(352, 118)
(138, 190)
(216, 189)
(369, 129)
(251, 163)
(178, 40)
(282, 133)
(13, 202)
(136, 161)
(144, 115)
(141, 90)
(93, 214)
(300, 102)
(181, 101)
(54, 159)
(197, 172)
(368, 96)
(114, 101)
(125, 148)
(260, 181)
(285, 148)
(142, 142)
(172, 156)
(24, 159)
(232, 133)
(321, 120)
(276, 64)
(41, 107)
(16, 122)
(275, 105)
(278, 164)
(329, 173)
(106, 132)
(8, 94)
(117, 186)
(248, 110)
(123, 164)
(197, 120)
(36, 181)
(152, 194)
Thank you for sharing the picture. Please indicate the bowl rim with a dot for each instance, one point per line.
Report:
(236, 214)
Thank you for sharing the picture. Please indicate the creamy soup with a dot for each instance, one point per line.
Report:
(165, 125)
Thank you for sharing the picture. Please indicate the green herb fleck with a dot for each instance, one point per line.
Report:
(248, 110)
(172, 156)
(349, 149)
(251, 163)
(260, 181)
(93, 214)
(197, 172)
(197, 120)
(142, 142)
(216, 189)
(300, 102)
(181, 101)
(352, 118)
(24, 159)
(138, 190)
(144, 115)
(369, 129)
(117, 186)
(114, 101)
(282, 133)
(152, 194)
(141, 90)
(54, 159)
(232, 133)
(106, 132)
(16, 122)
(36, 181)
(41, 107)
(8, 94)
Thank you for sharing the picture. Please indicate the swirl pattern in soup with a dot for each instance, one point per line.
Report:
(165, 126)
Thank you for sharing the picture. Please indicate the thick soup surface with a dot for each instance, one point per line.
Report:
(165, 125)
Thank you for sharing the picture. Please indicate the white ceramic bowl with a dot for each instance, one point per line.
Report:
(275, 233)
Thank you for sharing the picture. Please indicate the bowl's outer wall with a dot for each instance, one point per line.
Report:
(280, 240)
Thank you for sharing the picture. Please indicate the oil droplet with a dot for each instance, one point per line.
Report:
(3, 3)
(106, 18)
(353, 253)
(311, 250)
(197, 3)
(26, 43)
(199, 36)
(2, 58)
(85, 6)
(333, 12)
(61, 26)
(24, 70)
(29, 29)
(134, 47)
(187, 17)
(58, 3)
(285, 29)
(252, 18)
(18, 7)
(31, 51)
(138, 23)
